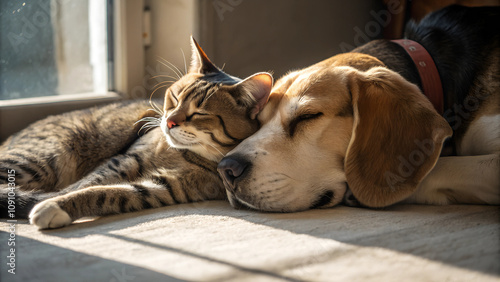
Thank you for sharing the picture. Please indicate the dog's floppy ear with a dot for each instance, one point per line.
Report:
(396, 140)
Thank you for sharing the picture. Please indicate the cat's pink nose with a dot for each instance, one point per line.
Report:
(171, 123)
(175, 119)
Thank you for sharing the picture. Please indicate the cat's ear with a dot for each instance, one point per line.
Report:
(200, 63)
(259, 86)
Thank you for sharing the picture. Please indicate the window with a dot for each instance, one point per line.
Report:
(74, 54)
(52, 47)
(57, 56)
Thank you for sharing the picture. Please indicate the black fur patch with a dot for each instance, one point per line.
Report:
(112, 168)
(160, 180)
(141, 189)
(146, 204)
(323, 200)
(101, 199)
(115, 161)
(123, 204)
(139, 163)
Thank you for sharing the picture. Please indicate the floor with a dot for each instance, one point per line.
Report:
(211, 241)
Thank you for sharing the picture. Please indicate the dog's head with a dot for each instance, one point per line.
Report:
(329, 126)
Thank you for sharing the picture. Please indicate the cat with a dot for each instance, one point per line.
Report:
(93, 162)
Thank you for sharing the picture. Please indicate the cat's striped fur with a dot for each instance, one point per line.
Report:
(93, 162)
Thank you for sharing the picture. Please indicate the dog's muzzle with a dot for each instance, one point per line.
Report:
(232, 170)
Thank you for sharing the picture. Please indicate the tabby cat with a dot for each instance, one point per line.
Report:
(93, 163)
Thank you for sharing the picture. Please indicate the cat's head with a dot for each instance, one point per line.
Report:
(210, 112)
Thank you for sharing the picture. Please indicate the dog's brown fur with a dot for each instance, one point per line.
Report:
(352, 121)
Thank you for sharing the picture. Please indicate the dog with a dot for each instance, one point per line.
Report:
(357, 128)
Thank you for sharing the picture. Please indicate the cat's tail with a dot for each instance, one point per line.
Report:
(18, 204)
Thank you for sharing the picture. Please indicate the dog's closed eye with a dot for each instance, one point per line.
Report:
(300, 119)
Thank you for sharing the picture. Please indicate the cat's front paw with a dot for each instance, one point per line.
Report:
(48, 214)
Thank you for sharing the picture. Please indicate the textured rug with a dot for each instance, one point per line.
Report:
(211, 241)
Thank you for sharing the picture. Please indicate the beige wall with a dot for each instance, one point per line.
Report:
(172, 22)
(280, 35)
(247, 36)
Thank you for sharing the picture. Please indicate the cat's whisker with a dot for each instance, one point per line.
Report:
(154, 123)
(151, 122)
(154, 106)
(172, 67)
(158, 87)
(147, 128)
(165, 75)
(214, 148)
(164, 62)
(156, 109)
(176, 68)
(151, 125)
(209, 96)
(164, 83)
(204, 148)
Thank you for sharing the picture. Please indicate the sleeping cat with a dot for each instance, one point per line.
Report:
(93, 163)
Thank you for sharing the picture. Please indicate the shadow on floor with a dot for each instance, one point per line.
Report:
(35, 261)
(461, 236)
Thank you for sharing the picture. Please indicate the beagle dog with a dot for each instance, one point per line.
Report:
(357, 127)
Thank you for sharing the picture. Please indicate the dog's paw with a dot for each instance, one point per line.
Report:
(48, 214)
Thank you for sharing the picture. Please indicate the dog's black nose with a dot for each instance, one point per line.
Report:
(230, 168)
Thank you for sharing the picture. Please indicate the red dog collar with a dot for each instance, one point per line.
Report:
(429, 75)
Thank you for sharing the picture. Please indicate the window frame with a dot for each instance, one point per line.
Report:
(127, 51)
